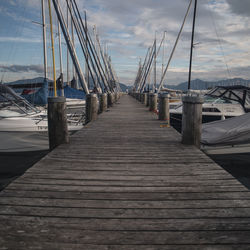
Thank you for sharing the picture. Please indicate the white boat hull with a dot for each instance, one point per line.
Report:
(21, 134)
(226, 150)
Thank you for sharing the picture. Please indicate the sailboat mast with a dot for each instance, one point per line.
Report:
(73, 40)
(71, 48)
(97, 51)
(68, 49)
(155, 65)
(44, 40)
(163, 54)
(87, 53)
(60, 47)
(60, 56)
(53, 49)
(192, 46)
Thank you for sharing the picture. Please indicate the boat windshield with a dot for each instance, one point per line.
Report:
(10, 100)
(230, 94)
(211, 99)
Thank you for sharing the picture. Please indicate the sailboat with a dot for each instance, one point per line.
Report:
(220, 103)
(37, 93)
(24, 127)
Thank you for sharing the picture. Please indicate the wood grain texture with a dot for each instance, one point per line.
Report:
(125, 182)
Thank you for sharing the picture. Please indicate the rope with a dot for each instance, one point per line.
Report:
(220, 44)
(176, 42)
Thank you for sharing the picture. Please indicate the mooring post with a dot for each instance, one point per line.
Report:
(142, 98)
(137, 96)
(91, 107)
(145, 98)
(116, 97)
(110, 99)
(192, 120)
(57, 122)
(164, 108)
(153, 102)
(103, 103)
(148, 99)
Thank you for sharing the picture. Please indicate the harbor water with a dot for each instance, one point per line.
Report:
(15, 164)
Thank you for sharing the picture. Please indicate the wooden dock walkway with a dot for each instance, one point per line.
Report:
(124, 182)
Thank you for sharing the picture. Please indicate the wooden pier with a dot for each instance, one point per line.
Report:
(125, 182)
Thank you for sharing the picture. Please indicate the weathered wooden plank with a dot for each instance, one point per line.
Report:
(26, 233)
(176, 189)
(207, 224)
(147, 179)
(148, 196)
(178, 168)
(84, 203)
(125, 183)
(76, 246)
(125, 212)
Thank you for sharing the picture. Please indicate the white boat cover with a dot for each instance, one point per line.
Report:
(231, 131)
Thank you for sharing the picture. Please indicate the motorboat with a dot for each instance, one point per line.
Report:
(24, 127)
(220, 103)
(230, 136)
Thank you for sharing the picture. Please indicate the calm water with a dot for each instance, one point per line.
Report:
(13, 165)
(237, 165)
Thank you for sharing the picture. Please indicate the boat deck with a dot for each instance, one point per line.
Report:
(125, 182)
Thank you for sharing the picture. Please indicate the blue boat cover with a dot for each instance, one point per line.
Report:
(39, 96)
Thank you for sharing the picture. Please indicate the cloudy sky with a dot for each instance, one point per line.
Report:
(128, 28)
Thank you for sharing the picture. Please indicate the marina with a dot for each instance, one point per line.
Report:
(124, 125)
(125, 189)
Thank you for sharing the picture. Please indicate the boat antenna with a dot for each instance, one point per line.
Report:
(60, 57)
(173, 50)
(44, 41)
(192, 46)
(53, 49)
(86, 42)
(155, 56)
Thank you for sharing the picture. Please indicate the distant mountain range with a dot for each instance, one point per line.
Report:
(26, 81)
(195, 84)
(198, 84)
(39, 80)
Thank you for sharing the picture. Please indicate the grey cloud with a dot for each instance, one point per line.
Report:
(241, 7)
(21, 68)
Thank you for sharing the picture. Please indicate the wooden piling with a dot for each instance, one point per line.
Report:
(57, 122)
(91, 107)
(138, 96)
(142, 98)
(148, 99)
(153, 102)
(110, 100)
(191, 120)
(103, 103)
(116, 97)
(164, 108)
(145, 98)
